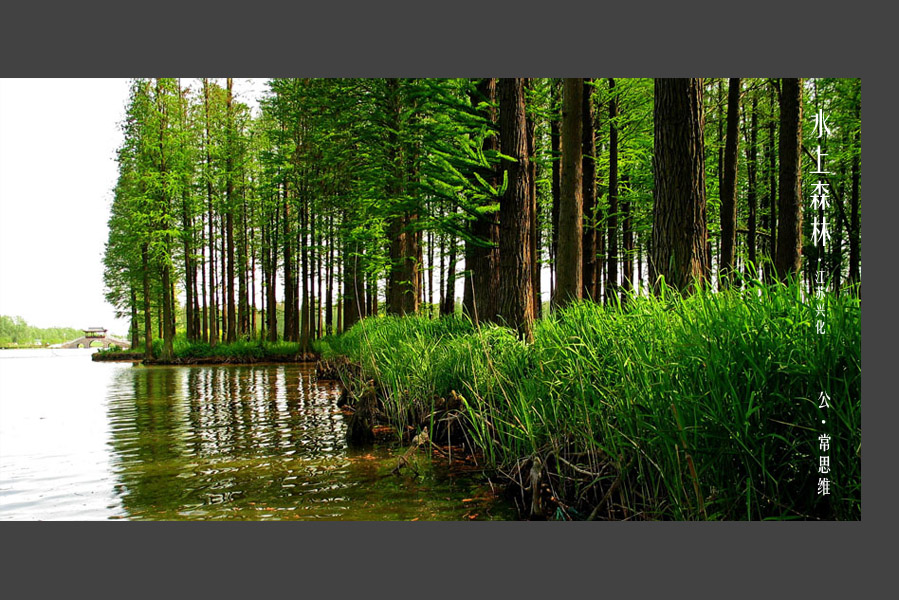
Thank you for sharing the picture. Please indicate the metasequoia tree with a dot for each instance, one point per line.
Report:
(789, 224)
(515, 293)
(678, 252)
(729, 184)
(569, 283)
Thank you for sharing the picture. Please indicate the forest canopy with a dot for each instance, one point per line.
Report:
(343, 198)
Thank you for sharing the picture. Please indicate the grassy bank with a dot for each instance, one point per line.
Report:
(703, 407)
(187, 352)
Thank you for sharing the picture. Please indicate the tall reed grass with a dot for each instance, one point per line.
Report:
(697, 407)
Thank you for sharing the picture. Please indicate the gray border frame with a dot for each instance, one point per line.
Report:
(381, 39)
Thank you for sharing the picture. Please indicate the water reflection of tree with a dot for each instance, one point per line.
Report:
(145, 437)
(186, 438)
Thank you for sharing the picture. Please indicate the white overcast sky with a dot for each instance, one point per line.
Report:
(58, 140)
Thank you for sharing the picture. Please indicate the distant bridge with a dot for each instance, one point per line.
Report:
(96, 334)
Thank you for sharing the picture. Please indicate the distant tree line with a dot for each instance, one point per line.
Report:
(15, 331)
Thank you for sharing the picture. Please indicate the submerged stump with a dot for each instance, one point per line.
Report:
(362, 421)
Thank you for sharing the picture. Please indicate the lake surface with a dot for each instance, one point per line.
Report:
(84, 441)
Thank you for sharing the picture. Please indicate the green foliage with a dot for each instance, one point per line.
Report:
(241, 349)
(731, 379)
(14, 331)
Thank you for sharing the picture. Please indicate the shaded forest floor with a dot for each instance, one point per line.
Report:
(687, 408)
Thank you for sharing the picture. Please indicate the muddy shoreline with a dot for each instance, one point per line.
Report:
(553, 483)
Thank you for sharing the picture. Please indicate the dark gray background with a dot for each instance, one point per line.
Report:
(473, 39)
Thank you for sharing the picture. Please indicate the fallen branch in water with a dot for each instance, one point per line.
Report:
(418, 441)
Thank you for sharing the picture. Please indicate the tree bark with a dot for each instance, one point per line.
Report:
(854, 217)
(588, 192)
(449, 298)
(789, 226)
(751, 195)
(678, 252)
(612, 262)
(352, 285)
(134, 325)
(404, 283)
(290, 288)
(329, 292)
(305, 312)
(213, 295)
(231, 329)
(482, 260)
(556, 149)
(570, 261)
(535, 209)
(627, 238)
(515, 294)
(728, 211)
(148, 322)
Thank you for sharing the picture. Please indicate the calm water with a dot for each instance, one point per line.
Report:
(81, 440)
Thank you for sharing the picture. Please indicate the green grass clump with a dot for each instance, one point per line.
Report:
(241, 349)
(706, 405)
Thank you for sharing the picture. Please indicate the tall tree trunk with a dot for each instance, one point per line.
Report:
(535, 231)
(442, 283)
(231, 330)
(223, 271)
(187, 236)
(213, 299)
(168, 330)
(314, 275)
(789, 226)
(329, 300)
(319, 286)
(770, 273)
(751, 195)
(188, 273)
(729, 185)
(243, 304)
(148, 323)
(570, 267)
(854, 217)
(290, 287)
(588, 187)
(429, 281)
(449, 298)
(482, 259)
(601, 225)
(204, 331)
(612, 262)
(133, 327)
(160, 322)
(404, 283)
(338, 308)
(515, 294)
(556, 149)
(720, 163)
(678, 252)
(253, 281)
(373, 294)
(271, 305)
(353, 286)
(305, 312)
(627, 238)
